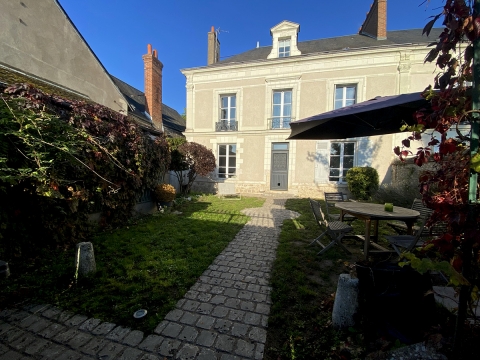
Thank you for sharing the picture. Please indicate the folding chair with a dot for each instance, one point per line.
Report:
(330, 199)
(336, 230)
(425, 213)
(408, 242)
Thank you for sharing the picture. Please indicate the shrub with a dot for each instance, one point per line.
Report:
(362, 182)
(399, 193)
(164, 192)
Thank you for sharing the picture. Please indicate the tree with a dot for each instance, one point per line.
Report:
(196, 159)
(449, 188)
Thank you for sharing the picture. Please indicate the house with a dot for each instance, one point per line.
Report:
(241, 106)
(39, 44)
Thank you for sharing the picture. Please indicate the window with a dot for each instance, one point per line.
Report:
(345, 95)
(342, 156)
(228, 107)
(227, 160)
(282, 109)
(283, 47)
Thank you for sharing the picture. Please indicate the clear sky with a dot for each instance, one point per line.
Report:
(118, 31)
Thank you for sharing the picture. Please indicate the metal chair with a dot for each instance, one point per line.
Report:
(330, 199)
(336, 230)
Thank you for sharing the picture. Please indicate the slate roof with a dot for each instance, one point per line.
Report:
(173, 123)
(338, 44)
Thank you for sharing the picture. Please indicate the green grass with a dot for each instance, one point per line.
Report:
(147, 265)
(303, 287)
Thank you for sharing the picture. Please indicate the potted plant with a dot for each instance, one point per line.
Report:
(164, 194)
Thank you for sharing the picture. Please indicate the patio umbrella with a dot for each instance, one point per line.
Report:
(378, 116)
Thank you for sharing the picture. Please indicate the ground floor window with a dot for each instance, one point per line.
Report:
(342, 155)
(227, 160)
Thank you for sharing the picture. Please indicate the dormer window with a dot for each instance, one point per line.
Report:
(285, 38)
(284, 47)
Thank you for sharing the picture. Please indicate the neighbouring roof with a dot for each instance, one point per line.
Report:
(341, 43)
(173, 122)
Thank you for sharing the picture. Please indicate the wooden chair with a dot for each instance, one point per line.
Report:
(408, 242)
(330, 199)
(336, 230)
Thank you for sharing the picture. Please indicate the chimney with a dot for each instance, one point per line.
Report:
(375, 25)
(213, 47)
(153, 86)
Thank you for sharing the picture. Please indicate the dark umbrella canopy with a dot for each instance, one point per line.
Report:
(378, 116)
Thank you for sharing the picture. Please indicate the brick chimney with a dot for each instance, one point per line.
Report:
(153, 86)
(375, 25)
(213, 47)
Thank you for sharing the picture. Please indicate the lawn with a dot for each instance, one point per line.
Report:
(149, 264)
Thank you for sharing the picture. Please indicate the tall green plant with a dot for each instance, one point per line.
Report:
(362, 182)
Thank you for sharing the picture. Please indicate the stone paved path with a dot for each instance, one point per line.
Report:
(223, 316)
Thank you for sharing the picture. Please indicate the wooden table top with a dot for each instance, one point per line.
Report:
(377, 211)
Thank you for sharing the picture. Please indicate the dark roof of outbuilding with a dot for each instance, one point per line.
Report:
(341, 43)
(173, 122)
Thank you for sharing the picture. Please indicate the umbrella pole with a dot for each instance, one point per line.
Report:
(466, 247)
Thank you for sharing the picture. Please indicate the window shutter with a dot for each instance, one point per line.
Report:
(322, 159)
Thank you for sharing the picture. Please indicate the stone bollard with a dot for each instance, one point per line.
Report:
(4, 270)
(346, 302)
(84, 259)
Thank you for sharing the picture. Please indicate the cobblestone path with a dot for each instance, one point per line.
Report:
(223, 316)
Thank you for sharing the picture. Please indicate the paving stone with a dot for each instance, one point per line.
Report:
(191, 294)
(110, 351)
(79, 340)
(258, 335)
(52, 330)
(205, 308)
(169, 347)
(75, 320)
(205, 322)
(223, 326)
(118, 333)
(245, 348)
(52, 313)
(188, 334)
(190, 305)
(149, 357)
(22, 342)
(133, 339)
(11, 334)
(220, 311)
(203, 287)
(206, 354)
(236, 315)
(229, 357)
(161, 326)
(130, 354)
(17, 316)
(3, 349)
(36, 346)
(239, 330)
(187, 352)
(69, 355)
(174, 315)
(5, 313)
(52, 352)
(39, 325)
(262, 309)
(180, 303)
(103, 328)
(230, 292)
(233, 303)
(259, 351)
(225, 343)
(172, 330)
(264, 321)
(189, 318)
(204, 297)
(206, 338)
(94, 346)
(259, 297)
(90, 324)
(151, 343)
(245, 295)
(11, 355)
(216, 290)
(227, 283)
(65, 336)
(247, 305)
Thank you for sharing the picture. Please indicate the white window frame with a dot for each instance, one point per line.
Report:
(344, 99)
(341, 179)
(227, 156)
(282, 108)
(282, 44)
(229, 107)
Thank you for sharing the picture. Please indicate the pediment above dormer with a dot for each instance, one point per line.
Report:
(284, 40)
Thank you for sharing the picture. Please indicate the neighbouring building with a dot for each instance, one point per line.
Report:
(241, 107)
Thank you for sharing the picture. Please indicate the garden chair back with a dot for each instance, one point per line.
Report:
(331, 198)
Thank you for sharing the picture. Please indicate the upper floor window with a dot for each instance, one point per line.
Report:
(228, 113)
(342, 155)
(345, 95)
(227, 160)
(282, 109)
(283, 47)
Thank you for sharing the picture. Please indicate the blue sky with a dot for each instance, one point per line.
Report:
(118, 31)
